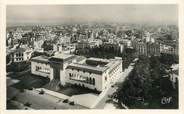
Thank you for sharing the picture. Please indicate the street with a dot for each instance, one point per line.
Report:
(103, 97)
(44, 101)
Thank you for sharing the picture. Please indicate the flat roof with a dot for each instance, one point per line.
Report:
(40, 59)
(61, 58)
(98, 59)
(80, 58)
(19, 50)
(99, 69)
(87, 68)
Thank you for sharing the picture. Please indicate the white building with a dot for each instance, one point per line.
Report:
(65, 39)
(38, 46)
(40, 66)
(126, 42)
(94, 42)
(92, 73)
(57, 47)
(20, 54)
(168, 49)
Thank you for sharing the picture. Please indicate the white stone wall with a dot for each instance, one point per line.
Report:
(105, 82)
(17, 58)
(98, 79)
(51, 73)
(100, 82)
(111, 76)
(27, 55)
(43, 66)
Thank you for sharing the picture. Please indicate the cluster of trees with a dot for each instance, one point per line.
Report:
(128, 56)
(18, 66)
(100, 52)
(47, 45)
(146, 87)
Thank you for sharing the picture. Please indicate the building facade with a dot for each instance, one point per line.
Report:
(20, 54)
(146, 48)
(169, 49)
(92, 76)
(40, 66)
(92, 73)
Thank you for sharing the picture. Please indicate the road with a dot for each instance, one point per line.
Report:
(110, 90)
(44, 101)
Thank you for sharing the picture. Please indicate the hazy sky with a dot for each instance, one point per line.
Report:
(59, 14)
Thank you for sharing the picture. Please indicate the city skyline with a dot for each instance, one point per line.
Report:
(61, 14)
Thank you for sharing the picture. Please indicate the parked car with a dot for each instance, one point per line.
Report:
(41, 92)
(65, 101)
(71, 103)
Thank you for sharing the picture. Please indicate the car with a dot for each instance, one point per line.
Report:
(71, 103)
(41, 92)
(65, 101)
(22, 90)
(31, 88)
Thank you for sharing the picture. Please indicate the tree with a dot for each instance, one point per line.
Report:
(146, 82)
(47, 45)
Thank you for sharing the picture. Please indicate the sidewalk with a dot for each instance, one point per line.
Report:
(104, 93)
(109, 91)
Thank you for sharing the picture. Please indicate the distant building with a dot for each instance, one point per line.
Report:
(65, 39)
(38, 46)
(20, 54)
(11, 40)
(169, 49)
(121, 48)
(94, 42)
(126, 42)
(114, 47)
(146, 49)
(82, 45)
(92, 73)
(57, 47)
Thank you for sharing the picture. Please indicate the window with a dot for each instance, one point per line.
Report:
(70, 75)
(105, 78)
(90, 80)
(93, 82)
(37, 68)
(87, 80)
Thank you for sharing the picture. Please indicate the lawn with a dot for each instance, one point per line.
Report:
(30, 81)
